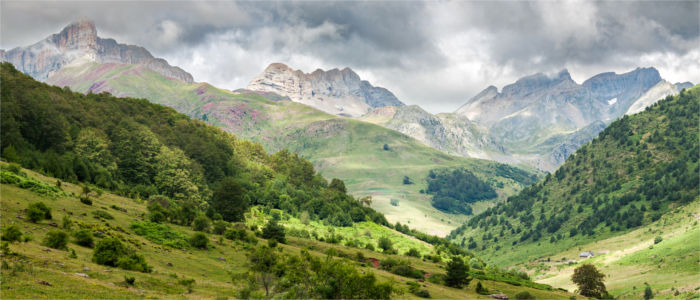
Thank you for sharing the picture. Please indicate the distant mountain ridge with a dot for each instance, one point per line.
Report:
(80, 40)
(542, 119)
(450, 133)
(338, 92)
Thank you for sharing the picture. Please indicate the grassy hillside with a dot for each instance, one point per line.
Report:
(145, 150)
(338, 147)
(641, 168)
(32, 270)
(632, 259)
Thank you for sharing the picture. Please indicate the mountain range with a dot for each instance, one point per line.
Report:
(371, 159)
(539, 120)
(348, 128)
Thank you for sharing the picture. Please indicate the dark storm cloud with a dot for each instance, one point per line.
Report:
(436, 54)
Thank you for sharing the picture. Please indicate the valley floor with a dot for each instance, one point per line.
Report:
(671, 267)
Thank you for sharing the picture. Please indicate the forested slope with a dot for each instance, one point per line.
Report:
(639, 168)
(140, 149)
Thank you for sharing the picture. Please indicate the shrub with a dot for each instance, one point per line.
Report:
(273, 230)
(524, 295)
(369, 246)
(199, 240)
(133, 262)
(272, 243)
(394, 202)
(157, 217)
(201, 223)
(11, 234)
(480, 289)
(187, 283)
(14, 168)
(66, 223)
(160, 234)
(422, 294)
(305, 218)
(108, 251)
(111, 252)
(220, 227)
(129, 280)
(84, 238)
(56, 239)
(658, 239)
(235, 234)
(100, 214)
(85, 200)
(475, 263)
(413, 252)
(38, 211)
(385, 244)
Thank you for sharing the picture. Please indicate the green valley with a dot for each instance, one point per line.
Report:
(637, 180)
(152, 223)
(338, 147)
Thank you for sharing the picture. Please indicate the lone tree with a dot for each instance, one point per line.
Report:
(589, 281)
(648, 293)
(457, 273)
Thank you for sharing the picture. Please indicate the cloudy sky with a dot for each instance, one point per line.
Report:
(436, 54)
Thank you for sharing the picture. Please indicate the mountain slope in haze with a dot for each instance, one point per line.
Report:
(338, 147)
(638, 169)
(80, 40)
(451, 133)
(338, 92)
(532, 117)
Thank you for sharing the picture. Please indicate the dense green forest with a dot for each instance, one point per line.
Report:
(139, 149)
(453, 190)
(636, 170)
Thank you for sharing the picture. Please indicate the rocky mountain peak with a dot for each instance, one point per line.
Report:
(336, 91)
(77, 35)
(646, 76)
(79, 40)
(539, 81)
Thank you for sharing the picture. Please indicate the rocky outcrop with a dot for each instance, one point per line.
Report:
(80, 40)
(660, 91)
(339, 92)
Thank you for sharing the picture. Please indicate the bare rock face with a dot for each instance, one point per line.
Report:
(339, 92)
(80, 40)
(451, 133)
(659, 91)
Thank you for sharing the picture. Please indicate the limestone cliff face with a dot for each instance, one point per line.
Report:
(659, 91)
(339, 92)
(80, 40)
